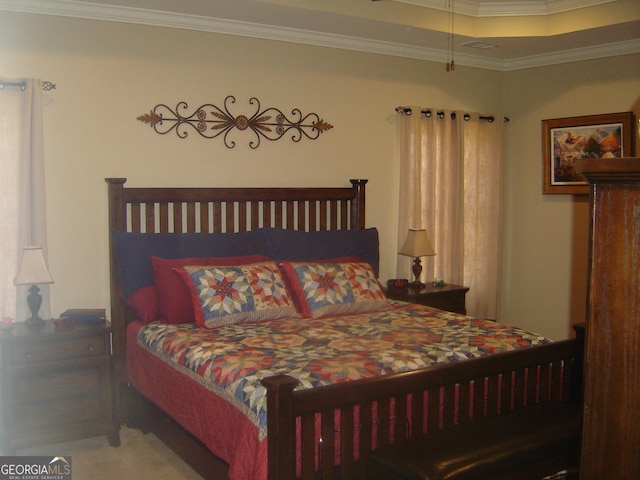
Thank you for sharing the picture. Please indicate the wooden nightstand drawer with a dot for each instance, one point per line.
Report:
(56, 385)
(53, 397)
(57, 350)
(451, 303)
(46, 386)
(448, 297)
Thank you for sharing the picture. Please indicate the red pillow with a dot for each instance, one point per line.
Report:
(144, 303)
(174, 298)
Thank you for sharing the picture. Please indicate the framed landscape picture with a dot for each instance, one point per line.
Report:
(565, 140)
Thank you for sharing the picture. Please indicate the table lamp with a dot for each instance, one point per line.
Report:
(33, 270)
(417, 244)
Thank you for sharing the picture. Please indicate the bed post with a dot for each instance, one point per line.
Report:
(358, 204)
(281, 443)
(116, 223)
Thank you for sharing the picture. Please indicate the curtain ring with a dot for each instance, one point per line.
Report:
(404, 110)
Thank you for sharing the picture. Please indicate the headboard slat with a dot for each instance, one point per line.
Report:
(191, 216)
(266, 213)
(150, 217)
(204, 217)
(278, 214)
(242, 216)
(163, 212)
(177, 218)
(313, 209)
(217, 217)
(302, 216)
(230, 217)
(344, 215)
(135, 217)
(255, 215)
(334, 215)
(323, 206)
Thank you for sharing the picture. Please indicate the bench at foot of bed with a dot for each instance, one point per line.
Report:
(531, 443)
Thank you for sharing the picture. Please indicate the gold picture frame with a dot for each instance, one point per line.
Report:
(564, 140)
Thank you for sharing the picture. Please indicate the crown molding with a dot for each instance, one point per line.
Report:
(83, 10)
(488, 8)
(576, 55)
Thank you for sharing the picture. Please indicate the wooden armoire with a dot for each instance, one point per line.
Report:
(611, 431)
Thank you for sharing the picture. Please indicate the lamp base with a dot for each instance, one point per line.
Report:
(34, 322)
(34, 300)
(417, 270)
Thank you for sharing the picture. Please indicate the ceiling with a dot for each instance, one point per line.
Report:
(520, 33)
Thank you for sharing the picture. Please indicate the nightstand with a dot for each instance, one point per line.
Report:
(448, 297)
(56, 385)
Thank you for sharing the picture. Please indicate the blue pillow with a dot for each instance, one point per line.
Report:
(134, 251)
(292, 245)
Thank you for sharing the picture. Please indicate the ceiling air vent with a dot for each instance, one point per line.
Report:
(478, 44)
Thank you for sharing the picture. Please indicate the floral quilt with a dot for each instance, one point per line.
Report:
(231, 361)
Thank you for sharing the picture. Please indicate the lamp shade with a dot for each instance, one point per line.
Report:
(33, 268)
(417, 244)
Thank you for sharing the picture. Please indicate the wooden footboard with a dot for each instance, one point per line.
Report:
(335, 428)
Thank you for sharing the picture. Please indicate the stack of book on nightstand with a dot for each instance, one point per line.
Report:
(85, 315)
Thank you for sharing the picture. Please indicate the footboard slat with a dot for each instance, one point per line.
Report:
(327, 443)
(366, 435)
(448, 400)
(384, 420)
(464, 402)
(416, 423)
(392, 408)
(492, 395)
(307, 446)
(433, 409)
(506, 382)
(532, 378)
(519, 389)
(347, 445)
(400, 424)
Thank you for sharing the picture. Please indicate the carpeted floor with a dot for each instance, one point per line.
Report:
(139, 456)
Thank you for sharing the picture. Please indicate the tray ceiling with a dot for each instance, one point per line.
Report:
(493, 34)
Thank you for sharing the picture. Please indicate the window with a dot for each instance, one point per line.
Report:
(22, 188)
(451, 185)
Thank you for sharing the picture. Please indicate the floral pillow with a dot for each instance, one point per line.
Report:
(322, 289)
(225, 295)
(173, 296)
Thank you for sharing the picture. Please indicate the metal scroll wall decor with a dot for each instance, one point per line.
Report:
(211, 121)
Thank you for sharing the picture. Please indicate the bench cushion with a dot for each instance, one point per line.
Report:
(488, 446)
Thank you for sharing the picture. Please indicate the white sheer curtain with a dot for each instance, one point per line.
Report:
(22, 190)
(451, 185)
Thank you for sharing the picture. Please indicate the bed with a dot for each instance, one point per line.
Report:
(274, 385)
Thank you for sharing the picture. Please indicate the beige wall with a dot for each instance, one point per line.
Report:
(107, 74)
(545, 252)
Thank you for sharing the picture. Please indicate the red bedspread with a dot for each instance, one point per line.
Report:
(225, 405)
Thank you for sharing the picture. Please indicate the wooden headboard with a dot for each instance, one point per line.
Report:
(221, 210)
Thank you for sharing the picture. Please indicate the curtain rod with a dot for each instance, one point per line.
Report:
(45, 85)
(428, 113)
